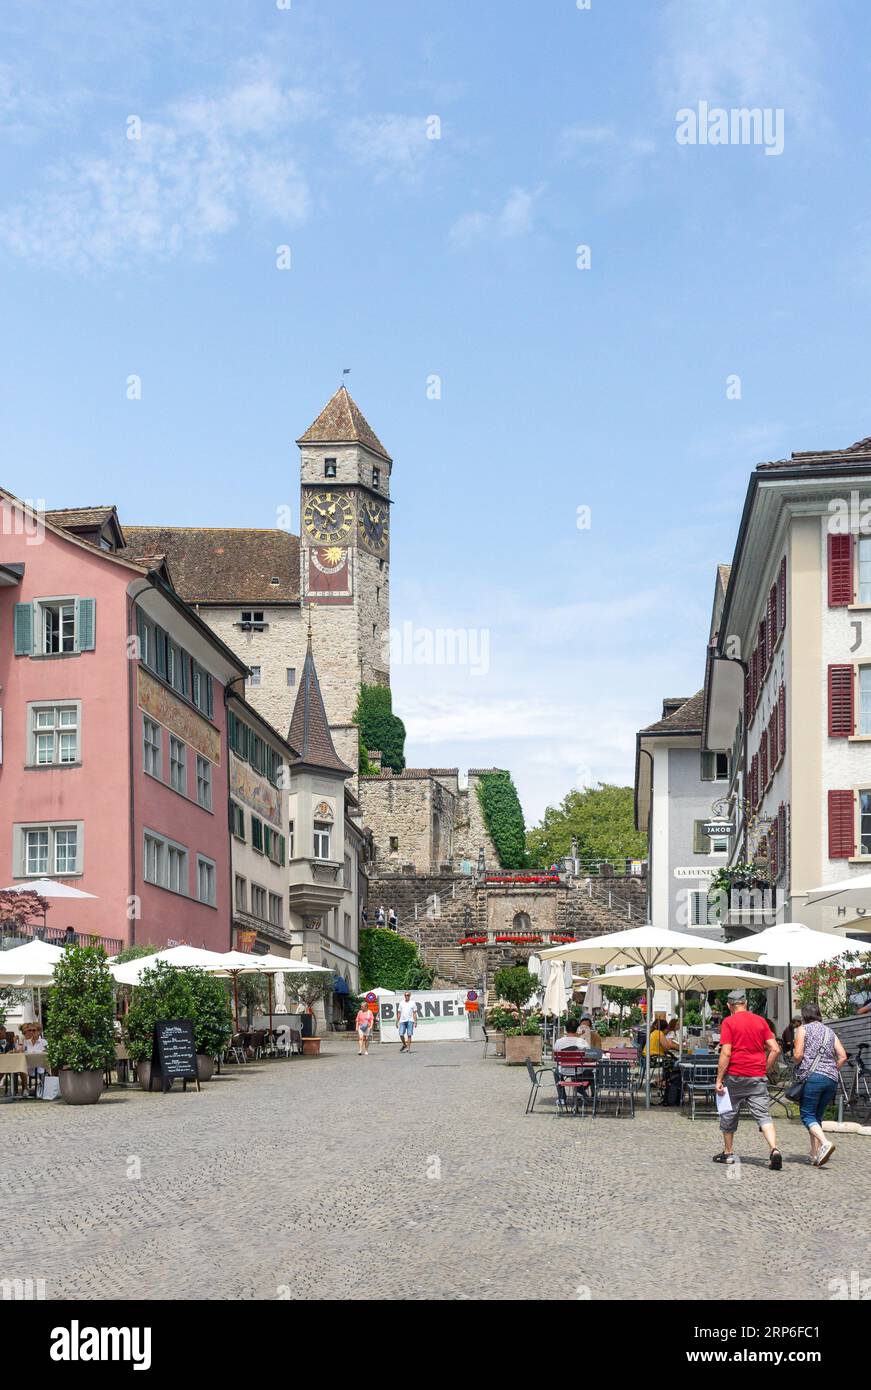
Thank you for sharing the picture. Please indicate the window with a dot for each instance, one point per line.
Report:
(290, 840)
(48, 850)
(257, 834)
(178, 765)
(54, 735)
(254, 676)
(719, 844)
(237, 821)
(864, 700)
(346, 881)
(347, 933)
(275, 909)
(394, 844)
(715, 767)
(864, 569)
(166, 864)
(151, 747)
(241, 894)
(322, 839)
(329, 468)
(258, 901)
(172, 664)
(703, 844)
(252, 619)
(205, 881)
(698, 907)
(204, 782)
(58, 627)
(291, 675)
(376, 477)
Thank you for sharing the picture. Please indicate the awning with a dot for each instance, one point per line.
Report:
(724, 699)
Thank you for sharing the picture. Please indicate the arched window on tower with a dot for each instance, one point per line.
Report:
(522, 924)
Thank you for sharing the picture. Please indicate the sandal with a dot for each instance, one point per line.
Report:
(724, 1158)
(775, 1162)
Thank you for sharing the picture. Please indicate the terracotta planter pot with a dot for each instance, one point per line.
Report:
(81, 1087)
(205, 1067)
(311, 1047)
(518, 1049)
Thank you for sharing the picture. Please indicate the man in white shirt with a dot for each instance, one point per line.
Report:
(407, 1017)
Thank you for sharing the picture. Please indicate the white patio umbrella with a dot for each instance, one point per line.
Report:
(793, 944)
(30, 966)
(48, 888)
(680, 978)
(847, 892)
(130, 972)
(555, 998)
(647, 947)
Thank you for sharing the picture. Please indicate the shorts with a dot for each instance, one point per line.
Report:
(364, 1028)
(753, 1090)
(406, 1029)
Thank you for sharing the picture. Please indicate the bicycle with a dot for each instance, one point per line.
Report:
(857, 1096)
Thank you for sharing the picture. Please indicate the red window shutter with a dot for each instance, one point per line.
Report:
(781, 836)
(840, 571)
(748, 704)
(773, 630)
(772, 853)
(754, 677)
(773, 739)
(763, 650)
(840, 701)
(781, 718)
(781, 592)
(841, 841)
(754, 782)
(763, 760)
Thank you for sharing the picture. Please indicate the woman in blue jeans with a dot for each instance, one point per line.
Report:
(819, 1054)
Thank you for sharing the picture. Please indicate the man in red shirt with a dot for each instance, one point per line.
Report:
(748, 1051)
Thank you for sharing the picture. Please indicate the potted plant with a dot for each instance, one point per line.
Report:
(498, 1019)
(518, 985)
(212, 1019)
(164, 991)
(80, 1028)
(307, 988)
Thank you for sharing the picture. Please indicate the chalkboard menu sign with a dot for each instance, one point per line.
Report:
(173, 1053)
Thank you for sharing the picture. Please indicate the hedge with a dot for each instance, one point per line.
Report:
(389, 961)
(380, 729)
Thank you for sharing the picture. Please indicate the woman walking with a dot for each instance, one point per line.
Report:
(365, 1019)
(819, 1053)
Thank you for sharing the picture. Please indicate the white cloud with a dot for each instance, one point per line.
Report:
(513, 219)
(392, 145)
(193, 175)
(740, 53)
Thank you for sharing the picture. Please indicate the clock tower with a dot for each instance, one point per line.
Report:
(345, 557)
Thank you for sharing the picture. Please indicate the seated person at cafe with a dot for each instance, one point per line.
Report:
(570, 1039)
(587, 1033)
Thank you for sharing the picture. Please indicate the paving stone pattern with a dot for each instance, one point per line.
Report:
(412, 1177)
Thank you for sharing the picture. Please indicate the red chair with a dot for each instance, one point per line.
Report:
(574, 1073)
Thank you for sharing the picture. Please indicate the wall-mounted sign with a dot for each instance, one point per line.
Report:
(718, 827)
(695, 873)
(441, 1014)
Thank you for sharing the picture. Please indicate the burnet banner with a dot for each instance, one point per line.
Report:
(441, 1015)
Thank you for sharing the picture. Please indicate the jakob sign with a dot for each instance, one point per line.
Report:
(441, 1014)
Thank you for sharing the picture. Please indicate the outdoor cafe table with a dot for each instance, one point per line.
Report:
(13, 1064)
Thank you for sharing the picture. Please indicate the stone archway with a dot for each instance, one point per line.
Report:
(521, 924)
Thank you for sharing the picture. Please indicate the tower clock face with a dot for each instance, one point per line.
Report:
(328, 516)
(374, 520)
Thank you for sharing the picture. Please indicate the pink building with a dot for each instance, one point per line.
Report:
(113, 758)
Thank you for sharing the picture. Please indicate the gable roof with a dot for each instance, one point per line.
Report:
(816, 457)
(686, 719)
(82, 519)
(309, 728)
(342, 422)
(223, 564)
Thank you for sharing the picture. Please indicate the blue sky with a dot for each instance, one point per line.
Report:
(455, 257)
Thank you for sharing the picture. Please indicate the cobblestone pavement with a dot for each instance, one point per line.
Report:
(411, 1177)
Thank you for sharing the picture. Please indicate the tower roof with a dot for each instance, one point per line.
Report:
(309, 728)
(342, 422)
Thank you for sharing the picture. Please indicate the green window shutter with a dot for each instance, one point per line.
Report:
(160, 651)
(23, 629)
(701, 842)
(140, 632)
(231, 729)
(184, 672)
(209, 706)
(86, 624)
(256, 833)
(281, 859)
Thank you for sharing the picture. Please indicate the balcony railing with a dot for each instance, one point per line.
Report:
(57, 937)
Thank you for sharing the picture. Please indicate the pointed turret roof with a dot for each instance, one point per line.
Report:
(342, 422)
(309, 728)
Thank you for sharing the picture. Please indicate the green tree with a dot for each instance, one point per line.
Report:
(503, 817)
(516, 984)
(601, 818)
(388, 961)
(80, 1028)
(623, 998)
(379, 727)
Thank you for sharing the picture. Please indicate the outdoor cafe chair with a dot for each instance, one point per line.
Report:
(535, 1075)
(575, 1072)
(700, 1080)
(614, 1079)
(236, 1048)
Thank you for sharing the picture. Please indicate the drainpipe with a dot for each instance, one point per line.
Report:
(646, 753)
(232, 901)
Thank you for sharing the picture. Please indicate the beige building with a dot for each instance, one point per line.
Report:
(788, 686)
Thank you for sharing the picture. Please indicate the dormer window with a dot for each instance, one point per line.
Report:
(376, 477)
(252, 620)
(329, 468)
